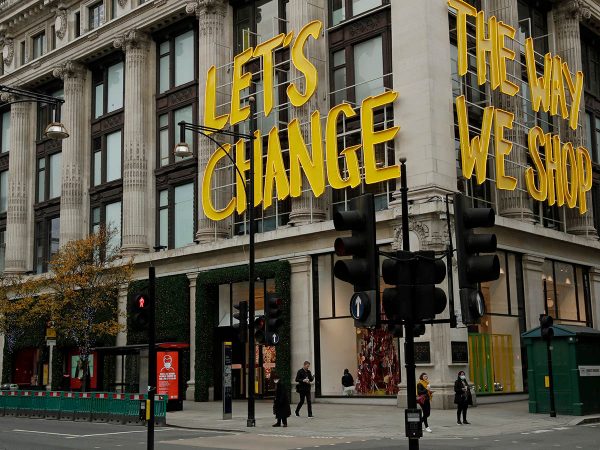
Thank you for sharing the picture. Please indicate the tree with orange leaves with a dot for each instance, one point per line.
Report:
(80, 293)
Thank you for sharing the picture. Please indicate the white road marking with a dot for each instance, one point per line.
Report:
(46, 432)
(541, 431)
(111, 434)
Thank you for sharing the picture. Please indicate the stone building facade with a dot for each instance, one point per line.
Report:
(130, 70)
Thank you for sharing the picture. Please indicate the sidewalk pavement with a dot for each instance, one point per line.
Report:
(370, 421)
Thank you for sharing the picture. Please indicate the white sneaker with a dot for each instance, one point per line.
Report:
(428, 429)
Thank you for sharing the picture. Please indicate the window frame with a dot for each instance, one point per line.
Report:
(170, 207)
(42, 230)
(103, 149)
(44, 44)
(2, 112)
(169, 35)
(98, 79)
(101, 17)
(349, 13)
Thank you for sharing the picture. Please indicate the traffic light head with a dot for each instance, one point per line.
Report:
(415, 296)
(242, 317)
(362, 271)
(259, 330)
(546, 323)
(140, 312)
(273, 307)
(474, 268)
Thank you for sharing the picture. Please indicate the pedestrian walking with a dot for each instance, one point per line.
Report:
(304, 378)
(462, 397)
(424, 395)
(281, 404)
(347, 383)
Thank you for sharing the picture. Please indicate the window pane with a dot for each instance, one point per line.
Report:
(95, 219)
(99, 101)
(113, 156)
(164, 74)
(97, 168)
(54, 237)
(115, 87)
(113, 221)
(163, 218)
(184, 58)
(581, 295)
(184, 215)
(565, 291)
(267, 23)
(339, 84)
(338, 11)
(185, 114)
(39, 247)
(41, 193)
(55, 175)
(164, 147)
(368, 68)
(360, 6)
(5, 131)
(3, 190)
(2, 249)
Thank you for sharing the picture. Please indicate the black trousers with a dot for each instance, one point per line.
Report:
(461, 408)
(426, 407)
(304, 395)
(282, 419)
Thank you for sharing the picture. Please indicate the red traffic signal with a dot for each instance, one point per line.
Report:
(140, 312)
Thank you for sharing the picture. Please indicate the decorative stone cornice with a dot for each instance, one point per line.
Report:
(122, 3)
(132, 39)
(60, 23)
(8, 50)
(203, 7)
(70, 69)
(574, 8)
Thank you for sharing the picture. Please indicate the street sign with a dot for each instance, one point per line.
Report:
(359, 305)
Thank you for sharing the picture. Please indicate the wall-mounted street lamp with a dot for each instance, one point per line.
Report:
(55, 129)
(182, 149)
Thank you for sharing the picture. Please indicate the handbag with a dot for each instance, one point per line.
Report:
(421, 399)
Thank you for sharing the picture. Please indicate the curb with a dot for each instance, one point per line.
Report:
(585, 420)
(220, 430)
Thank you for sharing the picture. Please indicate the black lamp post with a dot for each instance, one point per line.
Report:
(55, 129)
(182, 149)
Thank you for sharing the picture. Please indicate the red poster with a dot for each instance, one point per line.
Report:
(167, 366)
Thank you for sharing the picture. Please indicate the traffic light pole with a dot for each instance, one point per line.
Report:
(251, 422)
(151, 355)
(409, 343)
(550, 380)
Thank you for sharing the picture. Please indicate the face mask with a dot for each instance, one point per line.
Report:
(462, 377)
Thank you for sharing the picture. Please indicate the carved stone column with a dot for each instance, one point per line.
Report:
(514, 204)
(73, 75)
(212, 47)
(19, 204)
(136, 46)
(567, 15)
(307, 208)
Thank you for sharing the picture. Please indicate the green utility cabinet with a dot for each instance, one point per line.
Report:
(575, 366)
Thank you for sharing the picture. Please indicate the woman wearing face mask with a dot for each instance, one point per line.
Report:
(424, 395)
(462, 397)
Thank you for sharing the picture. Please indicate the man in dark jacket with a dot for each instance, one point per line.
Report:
(304, 378)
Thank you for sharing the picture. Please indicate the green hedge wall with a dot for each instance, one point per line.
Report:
(172, 322)
(207, 308)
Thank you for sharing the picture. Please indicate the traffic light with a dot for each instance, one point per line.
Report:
(429, 299)
(362, 271)
(272, 321)
(140, 312)
(474, 268)
(398, 301)
(546, 329)
(242, 317)
(259, 330)
(415, 296)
